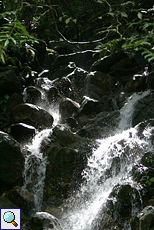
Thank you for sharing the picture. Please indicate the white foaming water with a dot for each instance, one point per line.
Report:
(35, 168)
(128, 109)
(108, 166)
(103, 173)
(101, 176)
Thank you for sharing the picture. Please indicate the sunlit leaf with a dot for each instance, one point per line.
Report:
(123, 14)
(139, 15)
(6, 43)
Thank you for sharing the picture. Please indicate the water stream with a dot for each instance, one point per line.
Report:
(110, 164)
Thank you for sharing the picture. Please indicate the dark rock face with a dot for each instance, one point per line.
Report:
(11, 161)
(22, 132)
(88, 106)
(100, 126)
(22, 199)
(32, 95)
(67, 108)
(122, 204)
(144, 219)
(31, 115)
(99, 84)
(66, 157)
(53, 95)
(9, 83)
(62, 163)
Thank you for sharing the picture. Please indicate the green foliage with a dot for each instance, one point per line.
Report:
(132, 30)
(13, 35)
(126, 25)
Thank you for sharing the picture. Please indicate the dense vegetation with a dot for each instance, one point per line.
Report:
(116, 24)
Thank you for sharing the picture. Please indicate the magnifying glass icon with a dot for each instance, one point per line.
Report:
(9, 217)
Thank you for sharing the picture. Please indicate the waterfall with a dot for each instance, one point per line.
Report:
(128, 109)
(110, 165)
(35, 168)
(89, 200)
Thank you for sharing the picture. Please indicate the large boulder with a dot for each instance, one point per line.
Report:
(11, 162)
(88, 106)
(66, 158)
(32, 95)
(144, 219)
(31, 115)
(22, 132)
(22, 199)
(60, 172)
(99, 84)
(9, 83)
(100, 126)
(123, 203)
(67, 108)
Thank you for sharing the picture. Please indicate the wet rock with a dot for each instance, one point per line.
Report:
(78, 77)
(44, 73)
(67, 108)
(22, 132)
(31, 115)
(124, 201)
(53, 95)
(88, 106)
(43, 83)
(22, 199)
(118, 65)
(9, 83)
(32, 95)
(144, 219)
(65, 137)
(104, 64)
(84, 59)
(11, 161)
(63, 70)
(62, 169)
(64, 86)
(100, 126)
(44, 220)
(99, 84)
(66, 156)
(136, 84)
(72, 123)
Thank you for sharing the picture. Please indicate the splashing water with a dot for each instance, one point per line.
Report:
(110, 164)
(101, 176)
(102, 173)
(35, 168)
(128, 109)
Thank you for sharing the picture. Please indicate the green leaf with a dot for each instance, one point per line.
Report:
(13, 40)
(6, 43)
(152, 179)
(139, 15)
(123, 14)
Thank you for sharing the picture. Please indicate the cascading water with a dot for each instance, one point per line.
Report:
(35, 162)
(35, 168)
(109, 165)
(102, 173)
